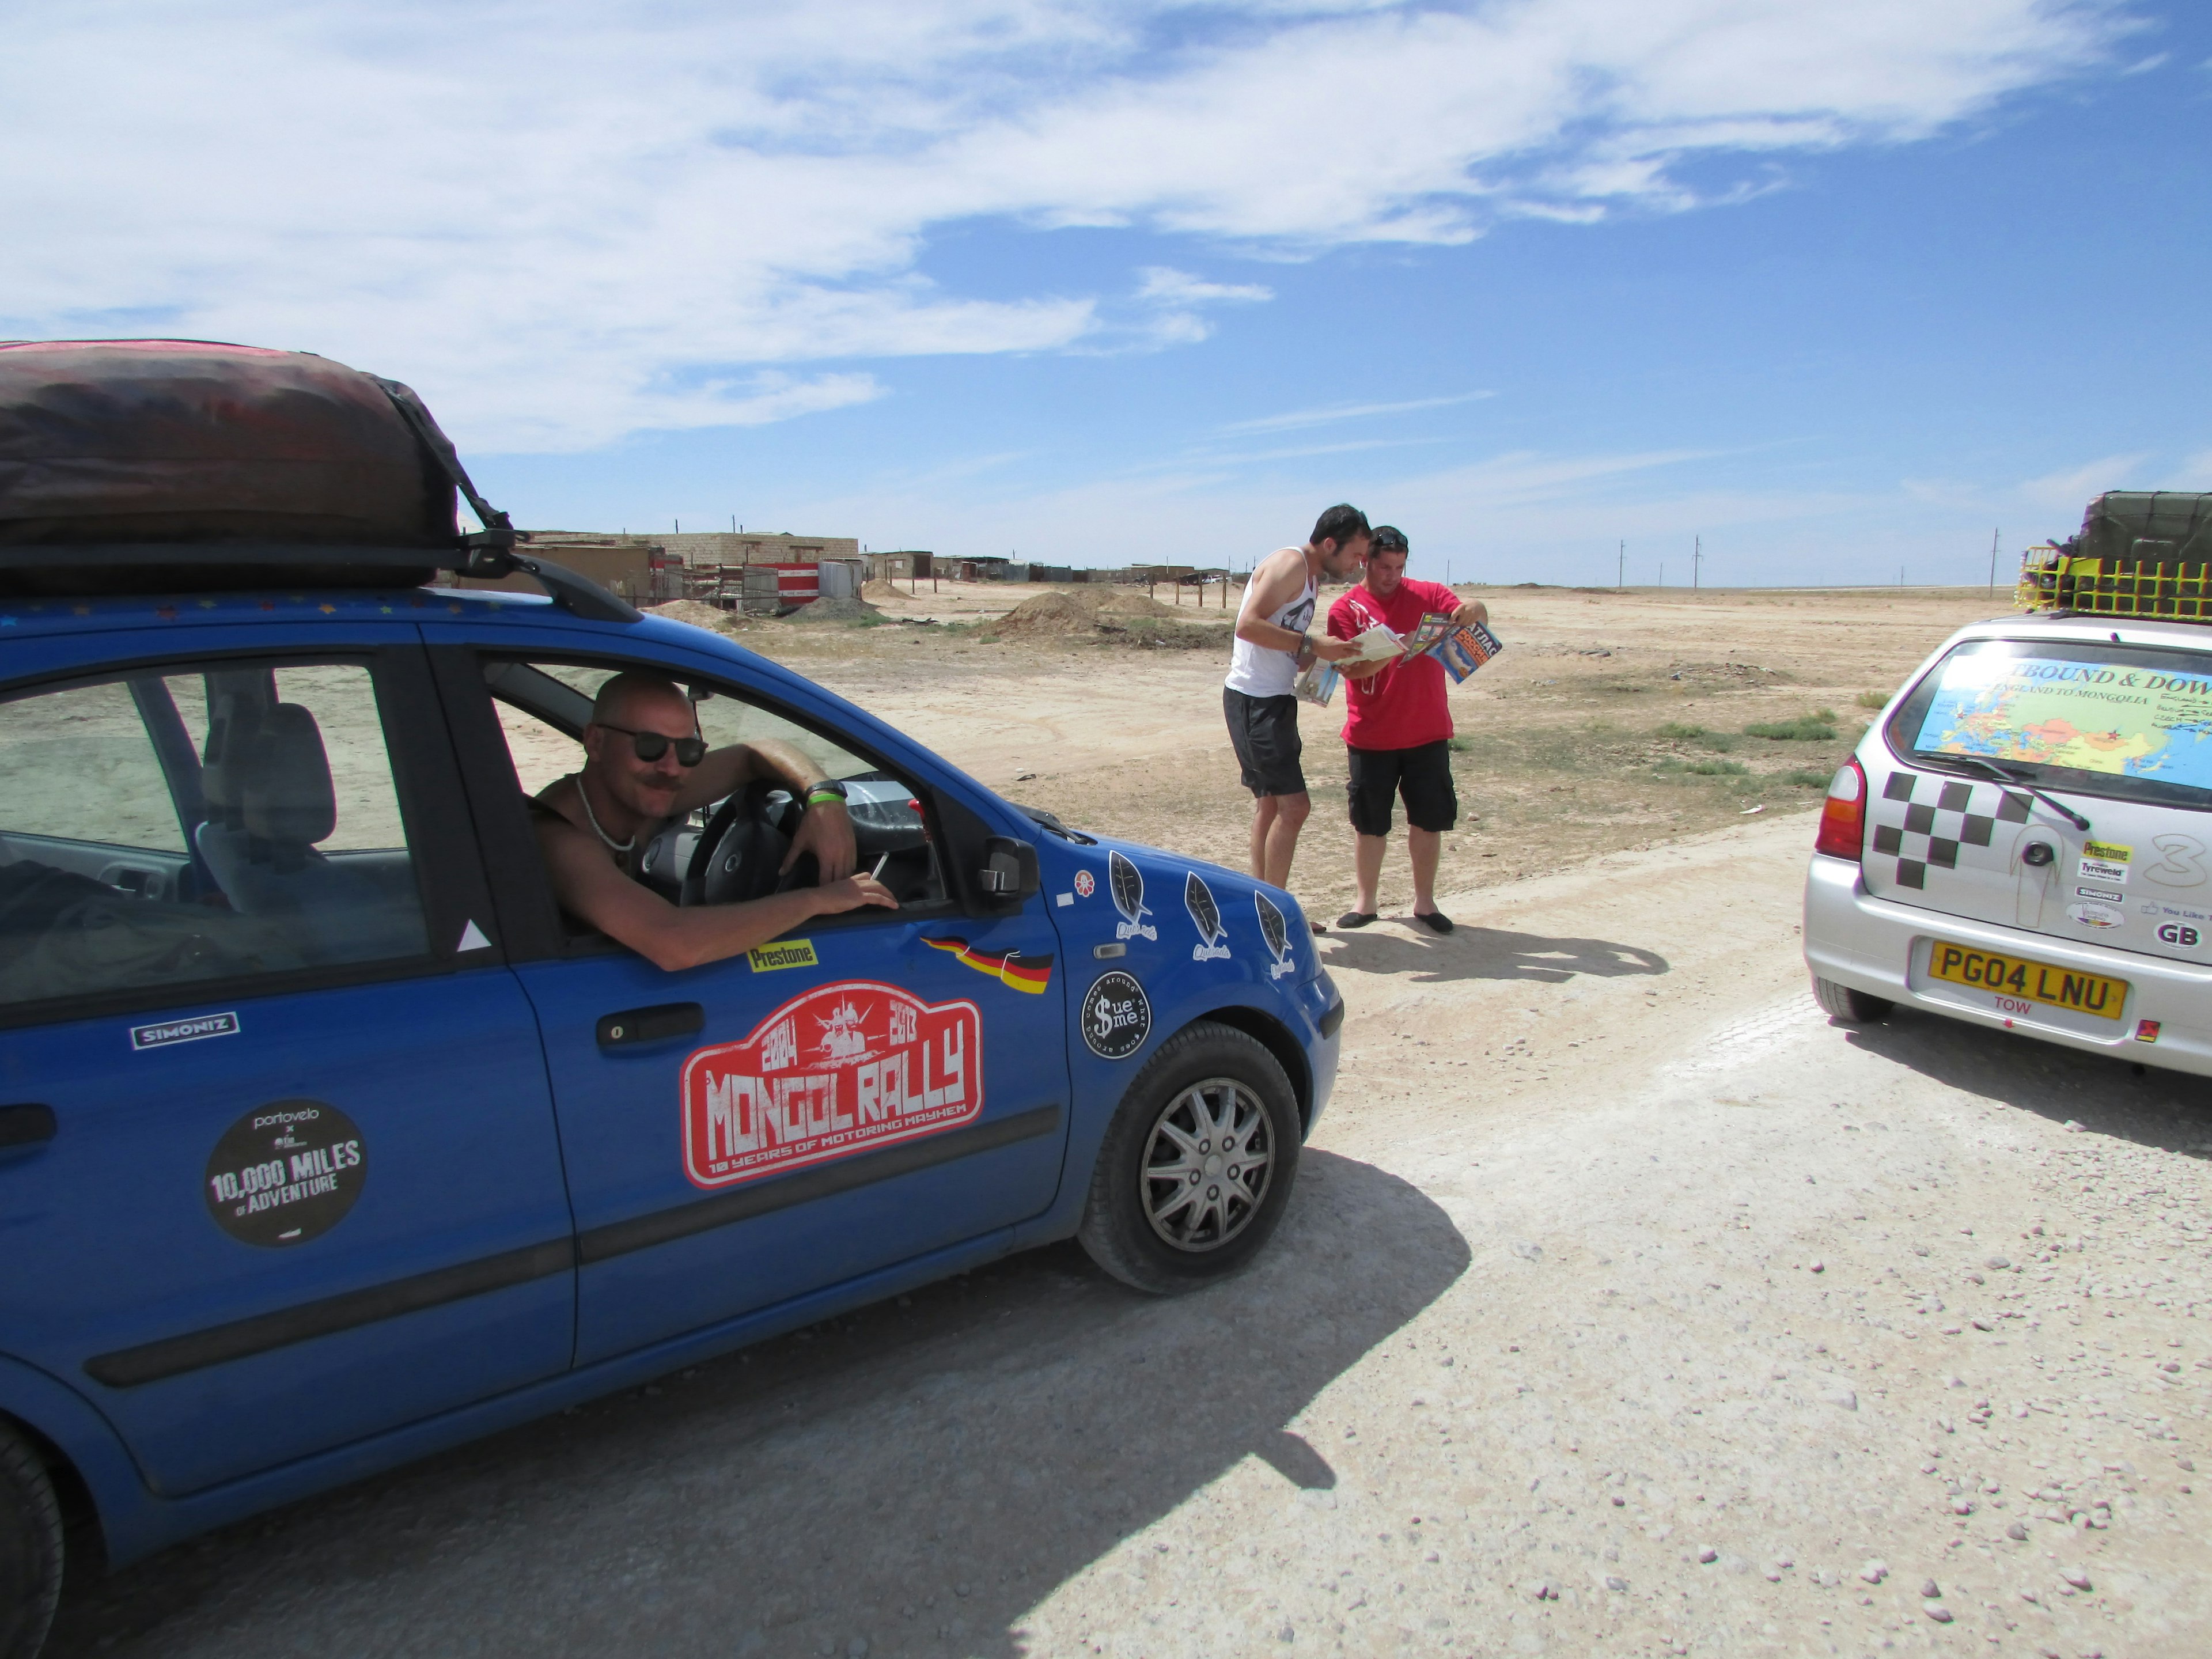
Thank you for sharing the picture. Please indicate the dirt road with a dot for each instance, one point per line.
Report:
(1625, 1307)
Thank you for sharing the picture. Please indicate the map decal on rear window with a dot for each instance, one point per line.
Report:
(2089, 716)
(845, 1069)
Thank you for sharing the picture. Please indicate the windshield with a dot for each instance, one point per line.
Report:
(2126, 722)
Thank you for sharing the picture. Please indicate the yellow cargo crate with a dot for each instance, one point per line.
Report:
(2168, 590)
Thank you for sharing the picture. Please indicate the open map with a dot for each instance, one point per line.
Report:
(2091, 716)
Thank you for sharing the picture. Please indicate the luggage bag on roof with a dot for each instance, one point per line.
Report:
(120, 442)
(2159, 524)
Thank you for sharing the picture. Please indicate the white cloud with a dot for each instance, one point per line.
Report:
(1299, 418)
(2072, 488)
(560, 219)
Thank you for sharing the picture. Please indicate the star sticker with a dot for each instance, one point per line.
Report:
(7, 621)
(166, 612)
(82, 609)
(207, 604)
(328, 609)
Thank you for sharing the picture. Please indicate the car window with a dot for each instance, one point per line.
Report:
(541, 704)
(201, 823)
(2127, 722)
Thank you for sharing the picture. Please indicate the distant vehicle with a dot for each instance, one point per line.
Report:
(2023, 840)
(327, 1140)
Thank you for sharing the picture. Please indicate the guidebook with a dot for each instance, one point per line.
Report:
(1461, 648)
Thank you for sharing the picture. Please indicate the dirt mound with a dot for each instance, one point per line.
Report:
(697, 613)
(885, 590)
(1083, 610)
(828, 610)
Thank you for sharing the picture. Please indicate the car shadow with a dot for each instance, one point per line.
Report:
(2104, 1094)
(1470, 952)
(914, 1477)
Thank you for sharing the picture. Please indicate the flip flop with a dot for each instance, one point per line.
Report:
(1435, 922)
(1318, 926)
(1355, 918)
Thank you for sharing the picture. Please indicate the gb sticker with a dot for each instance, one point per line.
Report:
(1206, 916)
(1277, 933)
(1129, 884)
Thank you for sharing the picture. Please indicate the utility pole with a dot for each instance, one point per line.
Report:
(1696, 558)
(1663, 573)
(1994, 534)
(1621, 569)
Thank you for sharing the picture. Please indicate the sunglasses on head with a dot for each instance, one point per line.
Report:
(652, 745)
(1389, 541)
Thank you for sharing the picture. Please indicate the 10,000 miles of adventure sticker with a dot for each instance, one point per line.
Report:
(285, 1173)
(843, 1069)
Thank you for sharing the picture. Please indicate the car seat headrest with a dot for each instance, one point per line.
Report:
(288, 799)
(233, 723)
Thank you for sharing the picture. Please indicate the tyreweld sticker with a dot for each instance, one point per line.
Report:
(845, 1068)
(285, 1173)
(1117, 1016)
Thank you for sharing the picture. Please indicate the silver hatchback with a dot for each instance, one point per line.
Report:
(2024, 840)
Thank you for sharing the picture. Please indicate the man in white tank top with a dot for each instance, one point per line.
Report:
(1274, 645)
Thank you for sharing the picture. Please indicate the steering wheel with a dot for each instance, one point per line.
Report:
(741, 848)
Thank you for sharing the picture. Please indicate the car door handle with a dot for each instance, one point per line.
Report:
(25, 1126)
(667, 1019)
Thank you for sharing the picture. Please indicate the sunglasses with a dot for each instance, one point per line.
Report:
(652, 745)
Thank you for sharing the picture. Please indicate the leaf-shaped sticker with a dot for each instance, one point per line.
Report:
(1272, 925)
(1128, 886)
(1198, 899)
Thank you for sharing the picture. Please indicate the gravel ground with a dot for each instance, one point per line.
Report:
(1626, 1307)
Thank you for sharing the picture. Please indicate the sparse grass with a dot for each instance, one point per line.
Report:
(1807, 778)
(1703, 768)
(1872, 700)
(1720, 741)
(1458, 745)
(1816, 727)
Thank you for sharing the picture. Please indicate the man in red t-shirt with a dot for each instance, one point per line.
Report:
(1398, 727)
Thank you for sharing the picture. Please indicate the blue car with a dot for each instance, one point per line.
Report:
(328, 1139)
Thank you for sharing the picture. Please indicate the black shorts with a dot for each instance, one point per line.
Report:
(1264, 731)
(1422, 774)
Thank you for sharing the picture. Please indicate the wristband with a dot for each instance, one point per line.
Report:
(822, 795)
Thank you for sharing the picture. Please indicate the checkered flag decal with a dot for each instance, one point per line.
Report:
(1920, 833)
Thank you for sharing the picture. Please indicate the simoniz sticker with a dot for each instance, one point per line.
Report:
(845, 1068)
(1010, 968)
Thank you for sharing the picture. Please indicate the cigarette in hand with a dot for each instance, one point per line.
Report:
(877, 875)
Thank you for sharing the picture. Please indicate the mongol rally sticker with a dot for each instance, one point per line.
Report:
(842, 1069)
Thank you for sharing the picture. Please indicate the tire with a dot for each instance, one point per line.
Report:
(1204, 1079)
(30, 1549)
(1847, 1006)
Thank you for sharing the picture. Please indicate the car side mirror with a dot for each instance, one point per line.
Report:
(1009, 876)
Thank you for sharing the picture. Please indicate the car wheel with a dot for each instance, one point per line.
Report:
(30, 1549)
(1851, 1007)
(1197, 1164)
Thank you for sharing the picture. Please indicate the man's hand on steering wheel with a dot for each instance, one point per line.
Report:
(825, 829)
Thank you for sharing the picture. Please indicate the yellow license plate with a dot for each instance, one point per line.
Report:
(2028, 981)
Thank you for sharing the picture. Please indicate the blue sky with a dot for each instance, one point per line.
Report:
(1837, 289)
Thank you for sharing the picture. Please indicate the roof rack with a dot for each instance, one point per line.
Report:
(2052, 579)
(213, 567)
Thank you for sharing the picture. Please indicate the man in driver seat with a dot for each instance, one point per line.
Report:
(644, 763)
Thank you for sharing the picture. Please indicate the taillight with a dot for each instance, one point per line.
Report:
(1843, 815)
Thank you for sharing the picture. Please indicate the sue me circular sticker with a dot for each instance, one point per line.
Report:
(285, 1173)
(1116, 1017)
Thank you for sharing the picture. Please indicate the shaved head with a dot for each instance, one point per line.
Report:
(625, 691)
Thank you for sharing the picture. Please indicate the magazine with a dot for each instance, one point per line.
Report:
(1460, 647)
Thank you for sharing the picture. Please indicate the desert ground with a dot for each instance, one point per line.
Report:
(1627, 1306)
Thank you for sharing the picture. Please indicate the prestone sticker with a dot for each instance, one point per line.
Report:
(285, 1173)
(1117, 1016)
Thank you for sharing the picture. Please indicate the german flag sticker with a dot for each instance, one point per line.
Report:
(1010, 968)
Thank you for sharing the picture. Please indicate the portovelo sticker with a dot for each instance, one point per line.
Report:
(285, 1173)
(1206, 916)
(1128, 887)
(1117, 1016)
(1276, 931)
(184, 1030)
(840, 1069)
